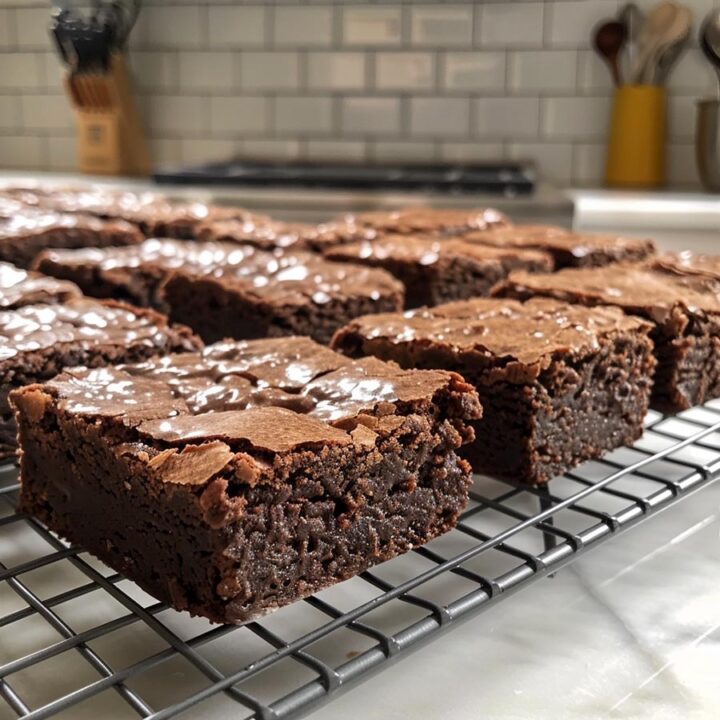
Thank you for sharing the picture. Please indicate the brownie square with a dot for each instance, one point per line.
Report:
(38, 341)
(435, 270)
(234, 481)
(559, 384)
(25, 233)
(689, 263)
(226, 290)
(264, 234)
(569, 249)
(23, 287)
(684, 311)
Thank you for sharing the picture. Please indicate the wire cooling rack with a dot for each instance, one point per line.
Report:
(77, 640)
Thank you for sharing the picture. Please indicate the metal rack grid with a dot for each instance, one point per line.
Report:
(80, 640)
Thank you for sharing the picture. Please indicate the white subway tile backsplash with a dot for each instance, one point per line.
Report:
(336, 150)
(474, 70)
(360, 80)
(539, 71)
(20, 71)
(304, 26)
(372, 25)
(234, 116)
(177, 114)
(681, 164)
(572, 21)
(404, 70)
(440, 117)
(182, 27)
(269, 70)
(384, 151)
(47, 112)
(336, 70)
(305, 115)
(370, 116)
(206, 71)
(505, 24)
(237, 26)
(32, 28)
(552, 160)
(575, 117)
(441, 25)
(507, 117)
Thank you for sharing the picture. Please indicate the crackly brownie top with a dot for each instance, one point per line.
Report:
(34, 221)
(288, 277)
(80, 322)
(551, 237)
(22, 287)
(265, 234)
(635, 287)
(528, 333)
(428, 251)
(689, 263)
(277, 394)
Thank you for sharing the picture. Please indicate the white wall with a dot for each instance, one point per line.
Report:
(350, 80)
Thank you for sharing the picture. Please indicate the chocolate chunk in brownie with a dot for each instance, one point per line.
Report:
(231, 508)
(435, 270)
(23, 287)
(39, 341)
(227, 290)
(569, 249)
(25, 233)
(684, 310)
(559, 384)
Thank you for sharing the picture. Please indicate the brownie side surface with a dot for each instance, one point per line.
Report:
(683, 308)
(558, 384)
(219, 513)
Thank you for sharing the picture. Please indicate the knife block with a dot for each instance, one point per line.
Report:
(636, 143)
(110, 136)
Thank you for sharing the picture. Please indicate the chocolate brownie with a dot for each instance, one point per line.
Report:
(227, 290)
(434, 271)
(264, 234)
(569, 249)
(23, 234)
(154, 214)
(409, 221)
(559, 384)
(23, 287)
(688, 263)
(310, 469)
(684, 310)
(38, 341)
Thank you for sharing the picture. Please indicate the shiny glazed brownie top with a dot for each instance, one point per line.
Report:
(507, 330)
(288, 277)
(277, 394)
(641, 288)
(21, 287)
(265, 234)
(429, 250)
(79, 323)
(690, 263)
(550, 237)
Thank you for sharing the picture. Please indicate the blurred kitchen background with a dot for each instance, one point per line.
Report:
(352, 81)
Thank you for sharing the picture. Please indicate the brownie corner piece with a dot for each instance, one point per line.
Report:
(559, 384)
(232, 513)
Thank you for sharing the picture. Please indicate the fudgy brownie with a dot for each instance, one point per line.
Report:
(154, 214)
(410, 221)
(38, 341)
(434, 270)
(569, 249)
(312, 469)
(25, 233)
(558, 383)
(23, 287)
(684, 310)
(689, 263)
(264, 234)
(227, 290)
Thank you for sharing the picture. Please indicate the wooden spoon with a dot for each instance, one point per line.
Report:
(609, 39)
(652, 33)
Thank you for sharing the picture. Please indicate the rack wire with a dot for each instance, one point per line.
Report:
(77, 639)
